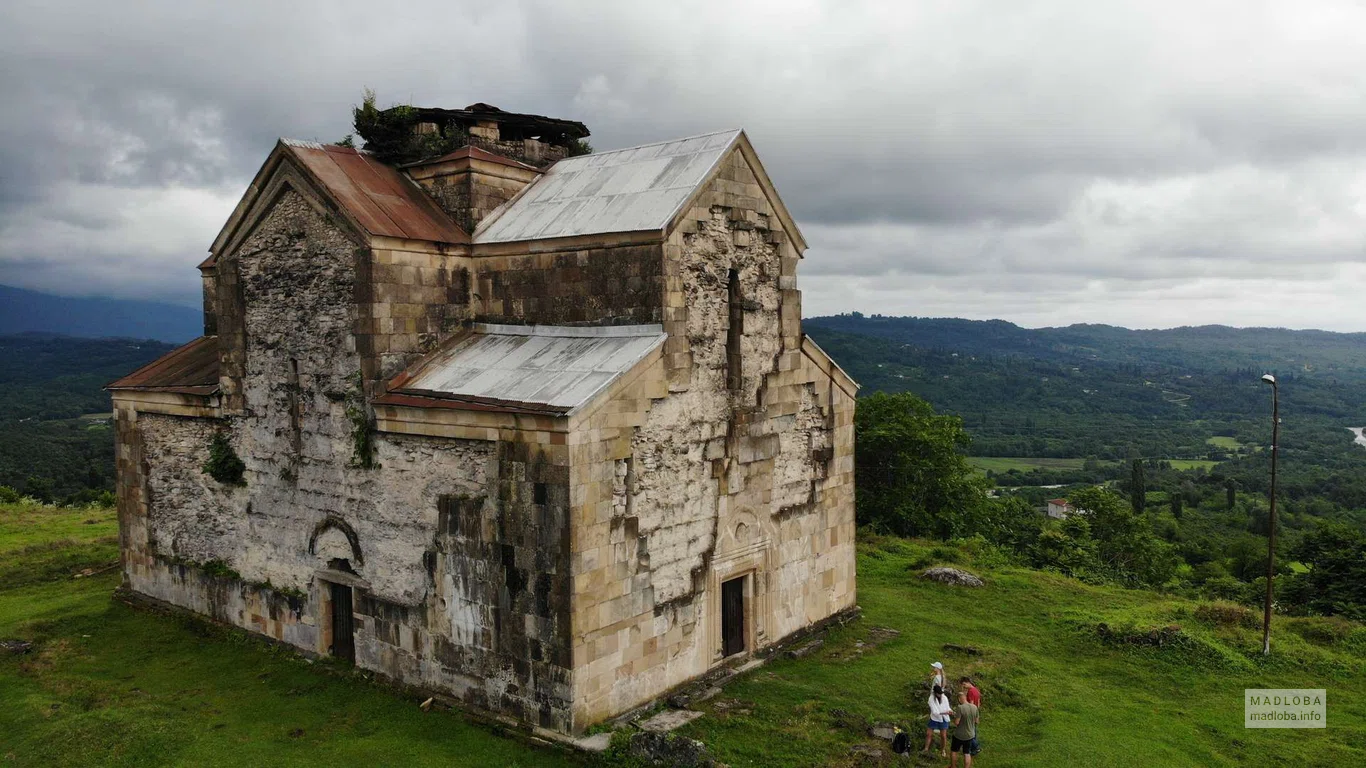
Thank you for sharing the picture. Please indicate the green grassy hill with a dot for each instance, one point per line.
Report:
(109, 685)
(1054, 692)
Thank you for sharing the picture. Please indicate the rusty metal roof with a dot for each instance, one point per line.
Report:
(625, 190)
(536, 368)
(191, 369)
(380, 198)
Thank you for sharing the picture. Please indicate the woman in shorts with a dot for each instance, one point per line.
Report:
(940, 712)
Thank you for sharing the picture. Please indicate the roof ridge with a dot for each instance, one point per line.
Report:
(569, 331)
(309, 144)
(733, 131)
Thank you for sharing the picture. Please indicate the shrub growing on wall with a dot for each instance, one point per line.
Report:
(223, 464)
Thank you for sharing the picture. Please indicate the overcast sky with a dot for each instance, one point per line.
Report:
(1151, 164)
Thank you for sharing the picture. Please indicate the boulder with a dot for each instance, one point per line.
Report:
(884, 731)
(15, 646)
(954, 576)
(671, 750)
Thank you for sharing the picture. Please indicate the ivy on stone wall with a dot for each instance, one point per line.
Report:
(223, 464)
(362, 425)
(220, 569)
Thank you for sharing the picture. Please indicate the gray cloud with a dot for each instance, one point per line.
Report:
(1142, 163)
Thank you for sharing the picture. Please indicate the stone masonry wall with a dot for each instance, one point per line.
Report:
(458, 545)
(597, 285)
(409, 300)
(301, 269)
(740, 471)
(530, 151)
(469, 190)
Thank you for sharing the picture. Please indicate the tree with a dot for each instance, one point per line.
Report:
(1335, 584)
(913, 479)
(1230, 493)
(1137, 490)
(1067, 547)
(1126, 545)
(1176, 504)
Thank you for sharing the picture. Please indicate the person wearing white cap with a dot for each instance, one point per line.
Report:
(938, 678)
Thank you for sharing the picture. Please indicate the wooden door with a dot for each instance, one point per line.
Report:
(343, 624)
(733, 616)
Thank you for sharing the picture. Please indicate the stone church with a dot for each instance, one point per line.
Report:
(537, 431)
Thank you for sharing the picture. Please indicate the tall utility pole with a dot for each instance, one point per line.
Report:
(1271, 521)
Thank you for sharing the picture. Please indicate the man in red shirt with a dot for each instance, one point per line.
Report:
(974, 695)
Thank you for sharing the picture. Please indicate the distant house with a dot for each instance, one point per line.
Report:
(1060, 508)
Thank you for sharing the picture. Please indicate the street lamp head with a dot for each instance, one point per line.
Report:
(1269, 379)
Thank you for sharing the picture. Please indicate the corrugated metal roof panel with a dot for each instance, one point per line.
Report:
(626, 190)
(543, 368)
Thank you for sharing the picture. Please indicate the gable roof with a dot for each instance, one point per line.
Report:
(381, 199)
(191, 369)
(625, 190)
(553, 370)
(377, 198)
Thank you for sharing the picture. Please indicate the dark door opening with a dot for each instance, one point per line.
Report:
(343, 624)
(733, 616)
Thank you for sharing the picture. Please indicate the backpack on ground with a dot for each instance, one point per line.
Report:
(901, 743)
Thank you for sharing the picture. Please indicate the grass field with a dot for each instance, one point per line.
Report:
(110, 685)
(1002, 464)
(1227, 443)
(1192, 463)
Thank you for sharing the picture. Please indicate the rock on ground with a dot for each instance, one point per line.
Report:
(952, 576)
(669, 719)
(666, 749)
(884, 731)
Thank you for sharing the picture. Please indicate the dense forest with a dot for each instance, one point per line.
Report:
(1172, 426)
(56, 442)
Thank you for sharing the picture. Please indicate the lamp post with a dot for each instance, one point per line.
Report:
(1271, 519)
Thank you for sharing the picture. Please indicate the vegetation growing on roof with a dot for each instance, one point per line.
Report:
(579, 147)
(390, 135)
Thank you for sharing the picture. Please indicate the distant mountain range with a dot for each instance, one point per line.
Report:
(1098, 390)
(24, 311)
(1205, 347)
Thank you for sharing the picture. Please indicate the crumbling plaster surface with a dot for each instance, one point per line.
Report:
(460, 544)
(191, 515)
(725, 477)
(687, 441)
(297, 272)
(804, 440)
